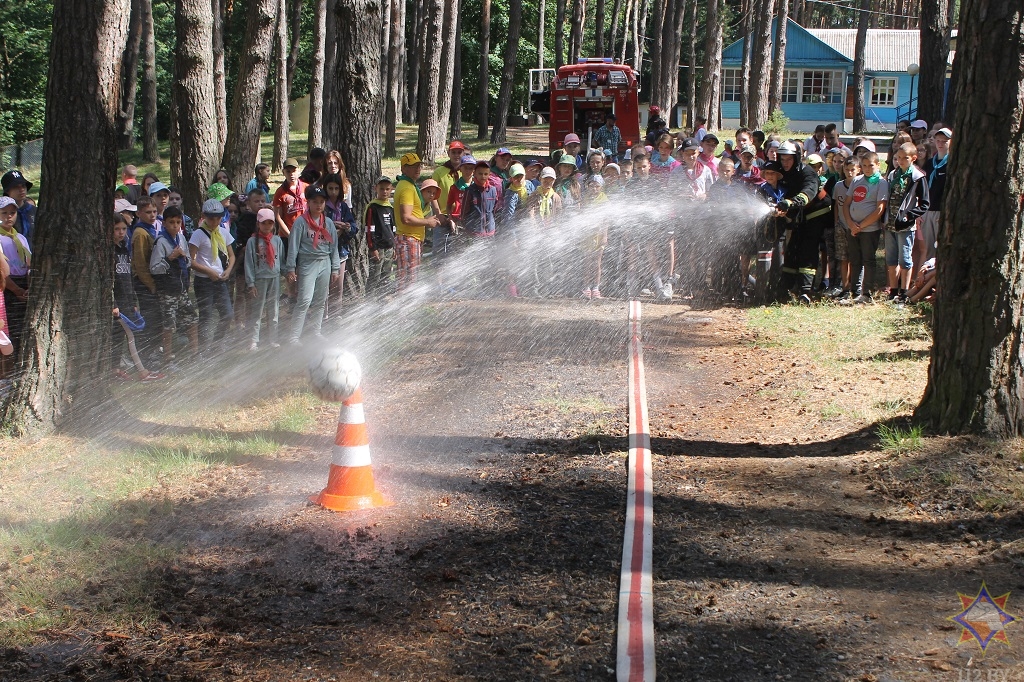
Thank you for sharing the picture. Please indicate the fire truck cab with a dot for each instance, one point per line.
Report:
(577, 98)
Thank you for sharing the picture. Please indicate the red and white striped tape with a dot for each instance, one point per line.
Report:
(635, 653)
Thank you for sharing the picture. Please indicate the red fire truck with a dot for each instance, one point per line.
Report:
(579, 96)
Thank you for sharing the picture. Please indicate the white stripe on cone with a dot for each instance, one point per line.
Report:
(351, 456)
(352, 414)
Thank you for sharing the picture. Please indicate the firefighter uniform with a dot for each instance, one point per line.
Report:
(807, 208)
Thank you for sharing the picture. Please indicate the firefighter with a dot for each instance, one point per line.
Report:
(801, 186)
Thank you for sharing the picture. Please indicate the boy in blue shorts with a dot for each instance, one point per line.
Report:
(908, 201)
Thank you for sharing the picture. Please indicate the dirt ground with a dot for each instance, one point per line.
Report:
(789, 545)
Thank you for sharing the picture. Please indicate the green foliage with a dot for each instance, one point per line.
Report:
(778, 124)
(900, 441)
(24, 58)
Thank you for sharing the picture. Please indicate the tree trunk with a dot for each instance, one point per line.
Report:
(281, 130)
(638, 37)
(174, 142)
(220, 94)
(130, 78)
(449, 42)
(485, 85)
(150, 151)
(747, 31)
(599, 29)
(396, 46)
(330, 60)
(242, 149)
(579, 13)
(508, 73)
(931, 82)
(976, 377)
(613, 30)
(430, 137)
(455, 115)
(859, 117)
(559, 33)
(949, 113)
(657, 86)
(540, 33)
(779, 62)
(691, 60)
(354, 126)
(64, 355)
(316, 83)
(414, 43)
(295, 29)
(711, 87)
(760, 60)
(200, 154)
(631, 10)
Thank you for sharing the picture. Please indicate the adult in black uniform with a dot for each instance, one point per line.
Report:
(801, 186)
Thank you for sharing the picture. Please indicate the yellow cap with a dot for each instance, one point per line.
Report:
(410, 159)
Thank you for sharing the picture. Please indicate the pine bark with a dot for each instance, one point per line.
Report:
(508, 73)
(414, 43)
(455, 115)
(150, 150)
(579, 12)
(540, 33)
(330, 59)
(316, 83)
(599, 28)
(559, 33)
(430, 137)
(657, 84)
(396, 45)
(242, 149)
(281, 130)
(710, 92)
(295, 32)
(934, 56)
(613, 29)
(130, 78)
(220, 92)
(747, 31)
(976, 377)
(65, 353)
(638, 36)
(449, 37)
(354, 125)
(859, 109)
(200, 153)
(760, 60)
(779, 61)
(691, 59)
(484, 92)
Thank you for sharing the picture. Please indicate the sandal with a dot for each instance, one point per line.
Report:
(123, 375)
(153, 376)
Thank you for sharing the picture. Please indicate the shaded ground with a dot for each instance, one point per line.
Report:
(788, 544)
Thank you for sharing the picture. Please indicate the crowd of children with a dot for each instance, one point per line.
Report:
(824, 213)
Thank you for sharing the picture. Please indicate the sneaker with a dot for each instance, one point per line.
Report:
(835, 292)
(274, 344)
(294, 342)
(666, 291)
(845, 299)
(804, 299)
(863, 299)
(587, 293)
(595, 293)
(253, 347)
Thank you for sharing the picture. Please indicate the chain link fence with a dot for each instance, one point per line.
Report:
(26, 156)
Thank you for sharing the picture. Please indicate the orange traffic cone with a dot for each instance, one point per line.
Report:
(350, 484)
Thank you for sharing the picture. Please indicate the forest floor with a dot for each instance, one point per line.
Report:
(803, 529)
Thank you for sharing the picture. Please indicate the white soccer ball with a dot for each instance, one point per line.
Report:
(335, 374)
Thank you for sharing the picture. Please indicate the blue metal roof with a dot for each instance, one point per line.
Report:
(802, 50)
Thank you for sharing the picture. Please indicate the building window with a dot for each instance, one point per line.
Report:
(791, 86)
(883, 92)
(732, 85)
(822, 87)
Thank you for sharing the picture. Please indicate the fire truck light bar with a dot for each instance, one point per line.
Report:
(594, 60)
